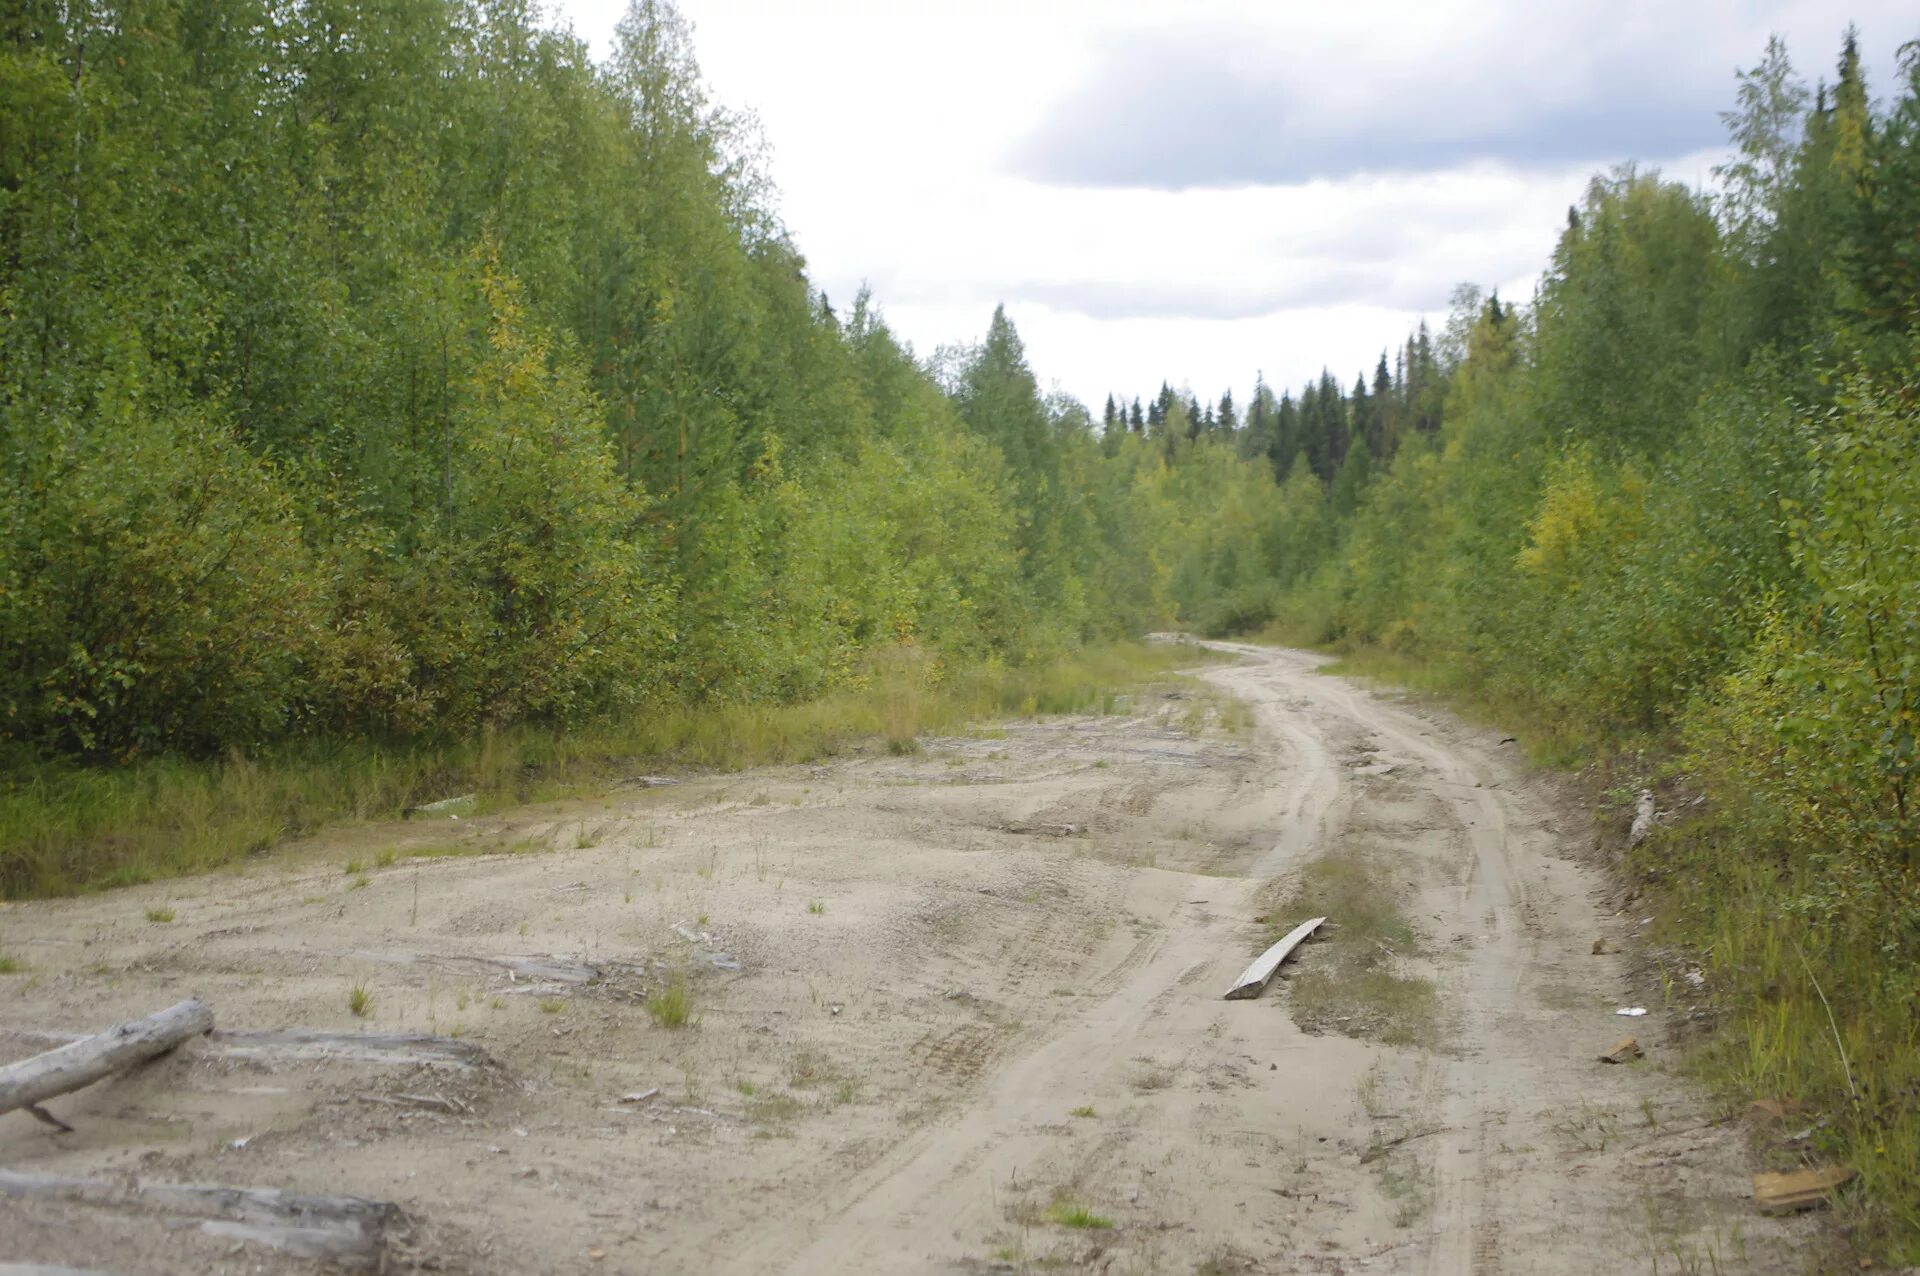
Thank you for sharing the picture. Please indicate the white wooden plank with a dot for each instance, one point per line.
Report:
(1254, 979)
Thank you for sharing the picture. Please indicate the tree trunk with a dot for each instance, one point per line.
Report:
(32, 1081)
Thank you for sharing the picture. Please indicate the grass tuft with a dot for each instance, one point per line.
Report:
(160, 916)
(1072, 1214)
(360, 1000)
(672, 1006)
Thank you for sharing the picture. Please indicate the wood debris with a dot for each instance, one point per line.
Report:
(445, 806)
(1625, 1050)
(1254, 979)
(350, 1231)
(1799, 1189)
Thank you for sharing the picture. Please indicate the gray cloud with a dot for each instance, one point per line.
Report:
(1313, 286)
(1223, 107)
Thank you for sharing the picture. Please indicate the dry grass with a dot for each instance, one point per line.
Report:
(66, 828)
(1348, 979)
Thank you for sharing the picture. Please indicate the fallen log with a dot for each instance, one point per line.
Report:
(1254, 979)
(348, 1230)
(312, 1045)
(407, 1048)
(32, 1081)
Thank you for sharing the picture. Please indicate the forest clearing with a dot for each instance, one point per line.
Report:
(955, 1010)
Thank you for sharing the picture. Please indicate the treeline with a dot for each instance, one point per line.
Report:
(390, 370)
(1667, 514)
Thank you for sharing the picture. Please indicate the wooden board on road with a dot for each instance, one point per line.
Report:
(1253, 981)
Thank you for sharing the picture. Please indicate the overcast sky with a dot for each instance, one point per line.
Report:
(1199, 190)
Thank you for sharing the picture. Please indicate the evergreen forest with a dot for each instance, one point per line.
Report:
(379, 380)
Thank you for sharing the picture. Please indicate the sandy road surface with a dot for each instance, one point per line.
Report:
(908, 975)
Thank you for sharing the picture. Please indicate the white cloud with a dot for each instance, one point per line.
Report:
(892, 126)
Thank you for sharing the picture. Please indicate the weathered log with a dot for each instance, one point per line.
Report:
(1255, 978)
(348, 1230)
(33, 1081)
(312, 1045)
(350, 1047)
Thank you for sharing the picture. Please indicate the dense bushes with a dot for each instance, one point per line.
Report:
(396, 373)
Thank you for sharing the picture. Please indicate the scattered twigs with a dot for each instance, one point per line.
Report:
(1379, 1150)
(437, 1102)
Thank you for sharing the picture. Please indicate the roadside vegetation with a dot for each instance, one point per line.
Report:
(67, 827)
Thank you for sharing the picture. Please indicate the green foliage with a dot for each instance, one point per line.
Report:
(1821, 716)
(397, 376)
(66, 827)
(154, 590)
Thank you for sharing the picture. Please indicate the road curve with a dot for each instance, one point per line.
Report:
(1235, 1137)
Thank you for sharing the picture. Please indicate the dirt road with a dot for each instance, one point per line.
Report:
(954, 1011)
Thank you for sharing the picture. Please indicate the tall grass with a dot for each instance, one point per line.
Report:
(1827, 1016)
(66, 828)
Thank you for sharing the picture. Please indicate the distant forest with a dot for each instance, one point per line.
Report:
(394, 371)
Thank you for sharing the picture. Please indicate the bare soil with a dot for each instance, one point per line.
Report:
(906, 976)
